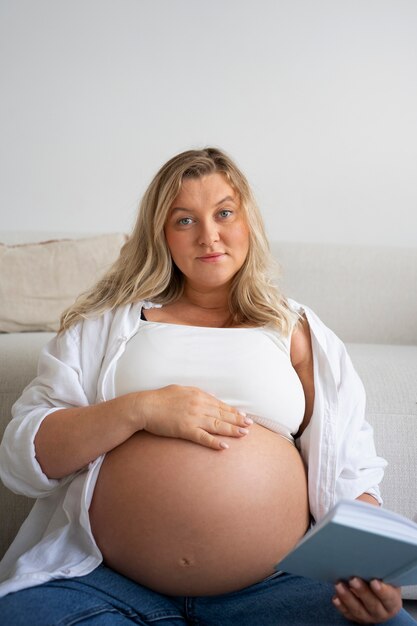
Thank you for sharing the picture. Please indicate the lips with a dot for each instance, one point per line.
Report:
(213, 257)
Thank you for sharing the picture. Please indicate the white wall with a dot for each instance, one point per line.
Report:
(315, 99)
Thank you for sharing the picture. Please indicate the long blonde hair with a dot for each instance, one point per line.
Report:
(145, 270)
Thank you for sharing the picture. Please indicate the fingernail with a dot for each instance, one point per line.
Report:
(376, 585)
(355, 583)
(248, 420)
(223, 445)
(242, 413)
(340, 588)
(244, 431)
(336, 601)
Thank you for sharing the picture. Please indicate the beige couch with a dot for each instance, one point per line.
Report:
(368, 296)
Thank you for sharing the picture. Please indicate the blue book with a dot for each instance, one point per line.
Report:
(357, 539)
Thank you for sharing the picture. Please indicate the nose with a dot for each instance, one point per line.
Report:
(208, 234)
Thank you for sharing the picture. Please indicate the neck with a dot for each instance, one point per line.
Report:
(209, 300)
(209, 305)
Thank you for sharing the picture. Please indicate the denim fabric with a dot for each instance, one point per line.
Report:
(105, 598)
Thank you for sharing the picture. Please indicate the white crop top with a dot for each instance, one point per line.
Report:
(247, 368)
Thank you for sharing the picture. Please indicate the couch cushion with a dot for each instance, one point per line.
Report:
(389, 374)
(19, 354)
(39, 280)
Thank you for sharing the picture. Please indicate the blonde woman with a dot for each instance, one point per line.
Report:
(174, 437)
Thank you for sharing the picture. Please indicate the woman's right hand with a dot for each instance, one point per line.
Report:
(68, 439)
(192, 414)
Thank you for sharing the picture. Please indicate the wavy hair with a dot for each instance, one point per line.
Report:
(145, 270)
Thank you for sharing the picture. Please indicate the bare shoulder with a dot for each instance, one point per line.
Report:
(302, 361)
(301, 351)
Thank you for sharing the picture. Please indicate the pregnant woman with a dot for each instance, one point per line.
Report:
(186, 426)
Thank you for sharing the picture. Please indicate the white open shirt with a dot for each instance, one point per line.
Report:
(77, 369)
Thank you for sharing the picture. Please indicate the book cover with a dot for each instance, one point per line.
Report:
(357, 539)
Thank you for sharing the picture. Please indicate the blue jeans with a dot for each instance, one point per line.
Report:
(105, 598)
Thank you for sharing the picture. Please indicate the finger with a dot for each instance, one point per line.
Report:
(227, 414)
(191, 432)
(233, 415)
(213, 407)
(359, 603)
(204, 438)
(382, 606)
(217, 426)
(350, 617)
(337, 602)
(350, 605)
(388, 595)
(364, 593)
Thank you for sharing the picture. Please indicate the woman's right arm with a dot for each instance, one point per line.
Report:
(61, 384)
(69, 439)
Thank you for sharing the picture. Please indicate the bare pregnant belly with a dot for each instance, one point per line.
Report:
(183, 519)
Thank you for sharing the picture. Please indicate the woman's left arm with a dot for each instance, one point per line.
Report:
(366, 497)
(302, 361)
(359, 601)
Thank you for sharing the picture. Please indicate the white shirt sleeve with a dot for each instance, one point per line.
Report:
(358, 469)
(338, 445)
(58, 385)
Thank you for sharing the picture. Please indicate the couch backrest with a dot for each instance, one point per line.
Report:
(375, 287)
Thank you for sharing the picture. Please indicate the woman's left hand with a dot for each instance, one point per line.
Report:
(367, 603)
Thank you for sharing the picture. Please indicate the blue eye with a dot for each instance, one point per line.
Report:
(185, 221)
(225, 213)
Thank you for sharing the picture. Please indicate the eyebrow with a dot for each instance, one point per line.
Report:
(226, 199)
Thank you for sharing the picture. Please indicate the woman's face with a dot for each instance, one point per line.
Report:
(206, 232)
